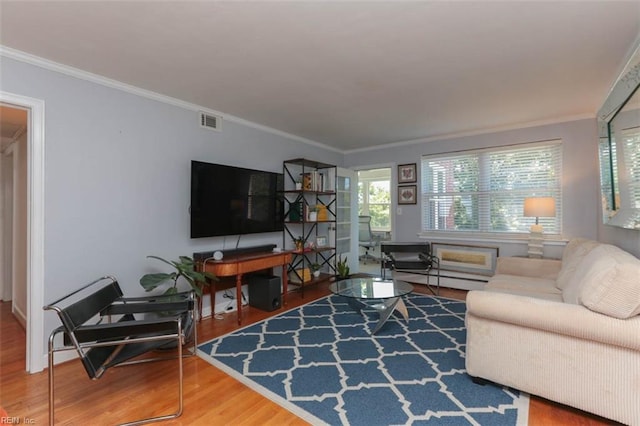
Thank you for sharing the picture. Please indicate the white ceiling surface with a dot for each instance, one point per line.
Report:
(347, 74)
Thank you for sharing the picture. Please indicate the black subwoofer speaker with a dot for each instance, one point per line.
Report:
(265, 292)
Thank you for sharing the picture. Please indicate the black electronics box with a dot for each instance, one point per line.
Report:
(265, 292)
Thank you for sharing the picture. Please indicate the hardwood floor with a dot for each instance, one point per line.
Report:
(211, 396)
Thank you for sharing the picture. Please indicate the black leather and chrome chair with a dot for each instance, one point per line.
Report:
(108, 330)
(411, 258)
(366, 239)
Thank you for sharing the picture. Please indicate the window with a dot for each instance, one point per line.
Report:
(484, 190)
(374, 197)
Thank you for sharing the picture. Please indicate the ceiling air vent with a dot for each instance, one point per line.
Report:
(210, 121)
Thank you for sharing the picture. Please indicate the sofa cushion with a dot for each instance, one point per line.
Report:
(613, 285)
(556, 297)
(529, 267)
(572, 255)
(518, 283)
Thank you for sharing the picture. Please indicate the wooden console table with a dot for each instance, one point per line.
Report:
(238, 265)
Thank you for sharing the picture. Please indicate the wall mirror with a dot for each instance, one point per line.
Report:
(619, 146)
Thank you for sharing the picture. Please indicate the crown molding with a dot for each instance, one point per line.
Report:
(21, 56)
(478, 132)
(632, 58)
(148, 94)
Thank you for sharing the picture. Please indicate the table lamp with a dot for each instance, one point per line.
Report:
(538, 207)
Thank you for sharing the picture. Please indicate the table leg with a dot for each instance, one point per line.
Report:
(356, 304)
(239, 297)
(402, 308)
(200, 305)
(210, 288)
(285, 285)
(212, 298)
(386, 308)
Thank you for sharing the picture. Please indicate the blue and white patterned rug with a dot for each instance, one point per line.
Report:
(320, 362)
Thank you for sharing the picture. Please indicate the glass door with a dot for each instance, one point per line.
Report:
(347, 217)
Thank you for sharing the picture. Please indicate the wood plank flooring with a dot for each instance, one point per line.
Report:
(211, 396)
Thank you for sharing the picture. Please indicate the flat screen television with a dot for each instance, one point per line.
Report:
(227, 200)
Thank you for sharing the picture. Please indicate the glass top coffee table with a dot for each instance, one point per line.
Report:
(386, 295)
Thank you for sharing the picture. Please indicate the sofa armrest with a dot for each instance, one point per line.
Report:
(554, 317)
(529, 267)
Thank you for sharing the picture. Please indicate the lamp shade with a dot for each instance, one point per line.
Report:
(539, 207)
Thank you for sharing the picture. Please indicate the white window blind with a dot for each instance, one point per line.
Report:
(484, 190)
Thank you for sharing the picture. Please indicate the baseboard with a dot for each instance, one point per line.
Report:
(225, 301)
(229, 306)
(20, 316)
(60, 357)
(206, 311)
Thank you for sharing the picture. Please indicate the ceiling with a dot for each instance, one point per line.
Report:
(349, 75)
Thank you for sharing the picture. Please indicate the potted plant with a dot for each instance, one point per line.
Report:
(299, 242)
(185, 268)
(315, 269)
(342, 268)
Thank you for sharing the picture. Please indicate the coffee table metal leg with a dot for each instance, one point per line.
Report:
(386, 309)
(402, 308)
(356, 304)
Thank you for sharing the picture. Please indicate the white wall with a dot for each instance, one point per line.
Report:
(117, 177)
(581, 195)
(628, 239)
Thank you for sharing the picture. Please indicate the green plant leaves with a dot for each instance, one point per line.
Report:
(343, 267)
(186, 260)
(151, 281)
(185, 268)
(171, 291)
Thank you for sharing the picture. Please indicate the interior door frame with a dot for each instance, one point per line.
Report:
(35, 354)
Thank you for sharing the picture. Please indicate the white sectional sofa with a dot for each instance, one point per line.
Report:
(567, 330)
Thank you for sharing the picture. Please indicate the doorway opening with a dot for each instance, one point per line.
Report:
(374, 206)
(13, 232)
(27, 241)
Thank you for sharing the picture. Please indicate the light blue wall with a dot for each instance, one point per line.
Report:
(581, 197)
(117, 176)
(627, 239)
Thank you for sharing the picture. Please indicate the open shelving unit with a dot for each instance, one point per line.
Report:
(310, 215)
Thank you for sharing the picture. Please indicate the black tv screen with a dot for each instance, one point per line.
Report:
(227, 200)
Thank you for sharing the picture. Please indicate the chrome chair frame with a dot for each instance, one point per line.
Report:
(105, 344)
(425, 264)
